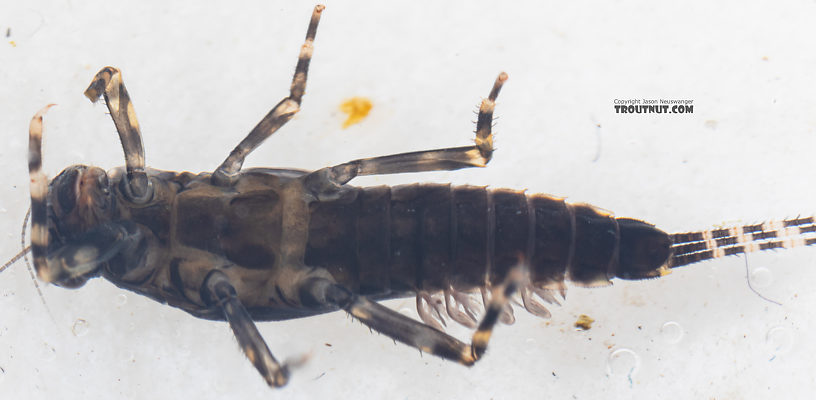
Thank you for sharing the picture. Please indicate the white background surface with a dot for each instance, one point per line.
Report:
(202, 75)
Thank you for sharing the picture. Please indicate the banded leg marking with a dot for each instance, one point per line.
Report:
(108, 83)
(227, 172)
(220, 290)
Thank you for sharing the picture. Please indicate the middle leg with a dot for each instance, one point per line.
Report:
(218, 289)
(227, 172)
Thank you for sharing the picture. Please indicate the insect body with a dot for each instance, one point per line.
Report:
(272, 244)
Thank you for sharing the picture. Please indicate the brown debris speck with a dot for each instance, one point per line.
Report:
(584, 322)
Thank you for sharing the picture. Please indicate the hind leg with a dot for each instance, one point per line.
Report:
(320, 292)
(447, 159)
(326, 182)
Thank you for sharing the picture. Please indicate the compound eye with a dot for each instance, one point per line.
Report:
(66, 187)
(72, 283)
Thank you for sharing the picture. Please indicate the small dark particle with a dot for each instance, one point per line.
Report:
(328, 344)
(8, 32)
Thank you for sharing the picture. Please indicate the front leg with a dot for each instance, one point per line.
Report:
(108, 83)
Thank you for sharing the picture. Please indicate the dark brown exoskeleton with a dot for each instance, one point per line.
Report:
(272, 244)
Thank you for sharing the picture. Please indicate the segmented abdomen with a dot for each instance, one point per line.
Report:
(382, 240)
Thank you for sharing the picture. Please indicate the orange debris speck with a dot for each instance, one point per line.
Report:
(356, 108)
